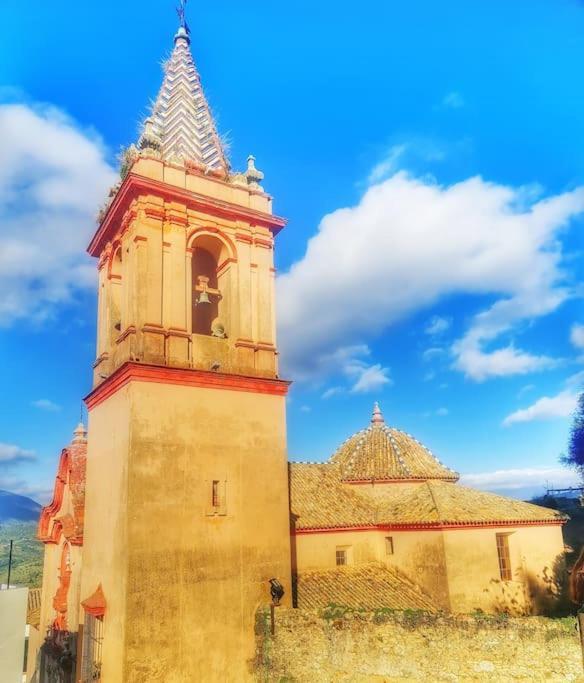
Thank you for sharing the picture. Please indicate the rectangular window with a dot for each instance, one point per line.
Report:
(504, 557)
(91, 652)
(341, 557)
(389, 545)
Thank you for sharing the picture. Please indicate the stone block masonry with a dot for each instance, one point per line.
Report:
(343, 645)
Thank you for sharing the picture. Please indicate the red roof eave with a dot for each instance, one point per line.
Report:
(433, 526)
(134, 185)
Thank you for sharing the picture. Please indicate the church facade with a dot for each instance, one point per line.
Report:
(176, 511)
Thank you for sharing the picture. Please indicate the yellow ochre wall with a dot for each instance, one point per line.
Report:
(419, 555)
(537, 565)
(105, 546)
(182, 586)
(457, 568)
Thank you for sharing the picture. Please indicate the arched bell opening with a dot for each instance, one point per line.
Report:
(209, 287)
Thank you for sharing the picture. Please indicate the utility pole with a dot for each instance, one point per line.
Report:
(9, 565)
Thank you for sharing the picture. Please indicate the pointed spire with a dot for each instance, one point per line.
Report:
(80, 434)
(377, 418)
(181, 125)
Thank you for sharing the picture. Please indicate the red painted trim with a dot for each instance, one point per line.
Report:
(135, 185)
(138, 372)
(241, 237)
(50, 510)
(429, 526)
(151, 212)
(370, 482)
(245, 345)
(139, 238)
(95, 604)
(166, 244)
(177, 220)
(263, 243)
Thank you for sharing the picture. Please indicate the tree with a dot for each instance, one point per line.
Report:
(575, 455)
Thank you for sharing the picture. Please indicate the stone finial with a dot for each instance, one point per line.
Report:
(377, 417)
(150, 140)
(254, 177)
(80, 434)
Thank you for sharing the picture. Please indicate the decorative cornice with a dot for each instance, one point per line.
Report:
(140, 372)
(429, 526)
(135, 185)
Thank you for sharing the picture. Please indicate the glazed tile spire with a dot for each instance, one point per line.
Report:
(181, 126)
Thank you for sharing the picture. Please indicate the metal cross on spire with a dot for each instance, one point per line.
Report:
(180, 10)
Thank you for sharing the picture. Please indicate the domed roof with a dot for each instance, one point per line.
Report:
(382, 453)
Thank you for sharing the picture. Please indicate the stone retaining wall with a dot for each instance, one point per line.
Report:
(342, 645)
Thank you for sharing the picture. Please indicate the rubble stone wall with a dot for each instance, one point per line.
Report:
(342, 645)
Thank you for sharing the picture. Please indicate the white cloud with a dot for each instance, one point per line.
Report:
(53, 176)
(545, 408)
(576, 380)
(452, 100)
(525, 389)
(522, 478)
(409, 242)
(305, 409)
(11, 454)
(577, 336)
(442, 412)
(367, 378)
(389, 165)
(438, 325)
(332, 391)
(40, 492)
(432, 352)
(46, 404)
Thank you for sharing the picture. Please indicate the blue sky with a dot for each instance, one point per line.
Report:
(430, 160)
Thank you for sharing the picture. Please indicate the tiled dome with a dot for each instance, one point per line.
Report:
(382, 453)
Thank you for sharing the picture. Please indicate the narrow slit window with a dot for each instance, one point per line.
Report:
(389, 545)
(215, 498)
(341, 557)
(504, 557)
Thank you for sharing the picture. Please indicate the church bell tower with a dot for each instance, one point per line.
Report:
(187, 516)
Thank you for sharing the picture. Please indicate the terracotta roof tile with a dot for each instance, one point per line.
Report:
(319, 499)
(447, 503)
(384, 453)
(368, 586)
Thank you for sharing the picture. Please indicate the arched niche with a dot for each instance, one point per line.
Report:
(210, 272)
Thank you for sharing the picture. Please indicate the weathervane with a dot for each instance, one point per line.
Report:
(180, 10)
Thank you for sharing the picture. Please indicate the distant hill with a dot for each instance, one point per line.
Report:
(27, 554)
(18, 508)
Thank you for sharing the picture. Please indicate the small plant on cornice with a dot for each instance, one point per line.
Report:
(127, 157)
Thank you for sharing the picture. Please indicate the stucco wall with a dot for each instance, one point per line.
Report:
(182, 585)
(105, 547)
(415, 647)
(419, 554)
(473, 569)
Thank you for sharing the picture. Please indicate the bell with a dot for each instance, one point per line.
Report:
(203, 298)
